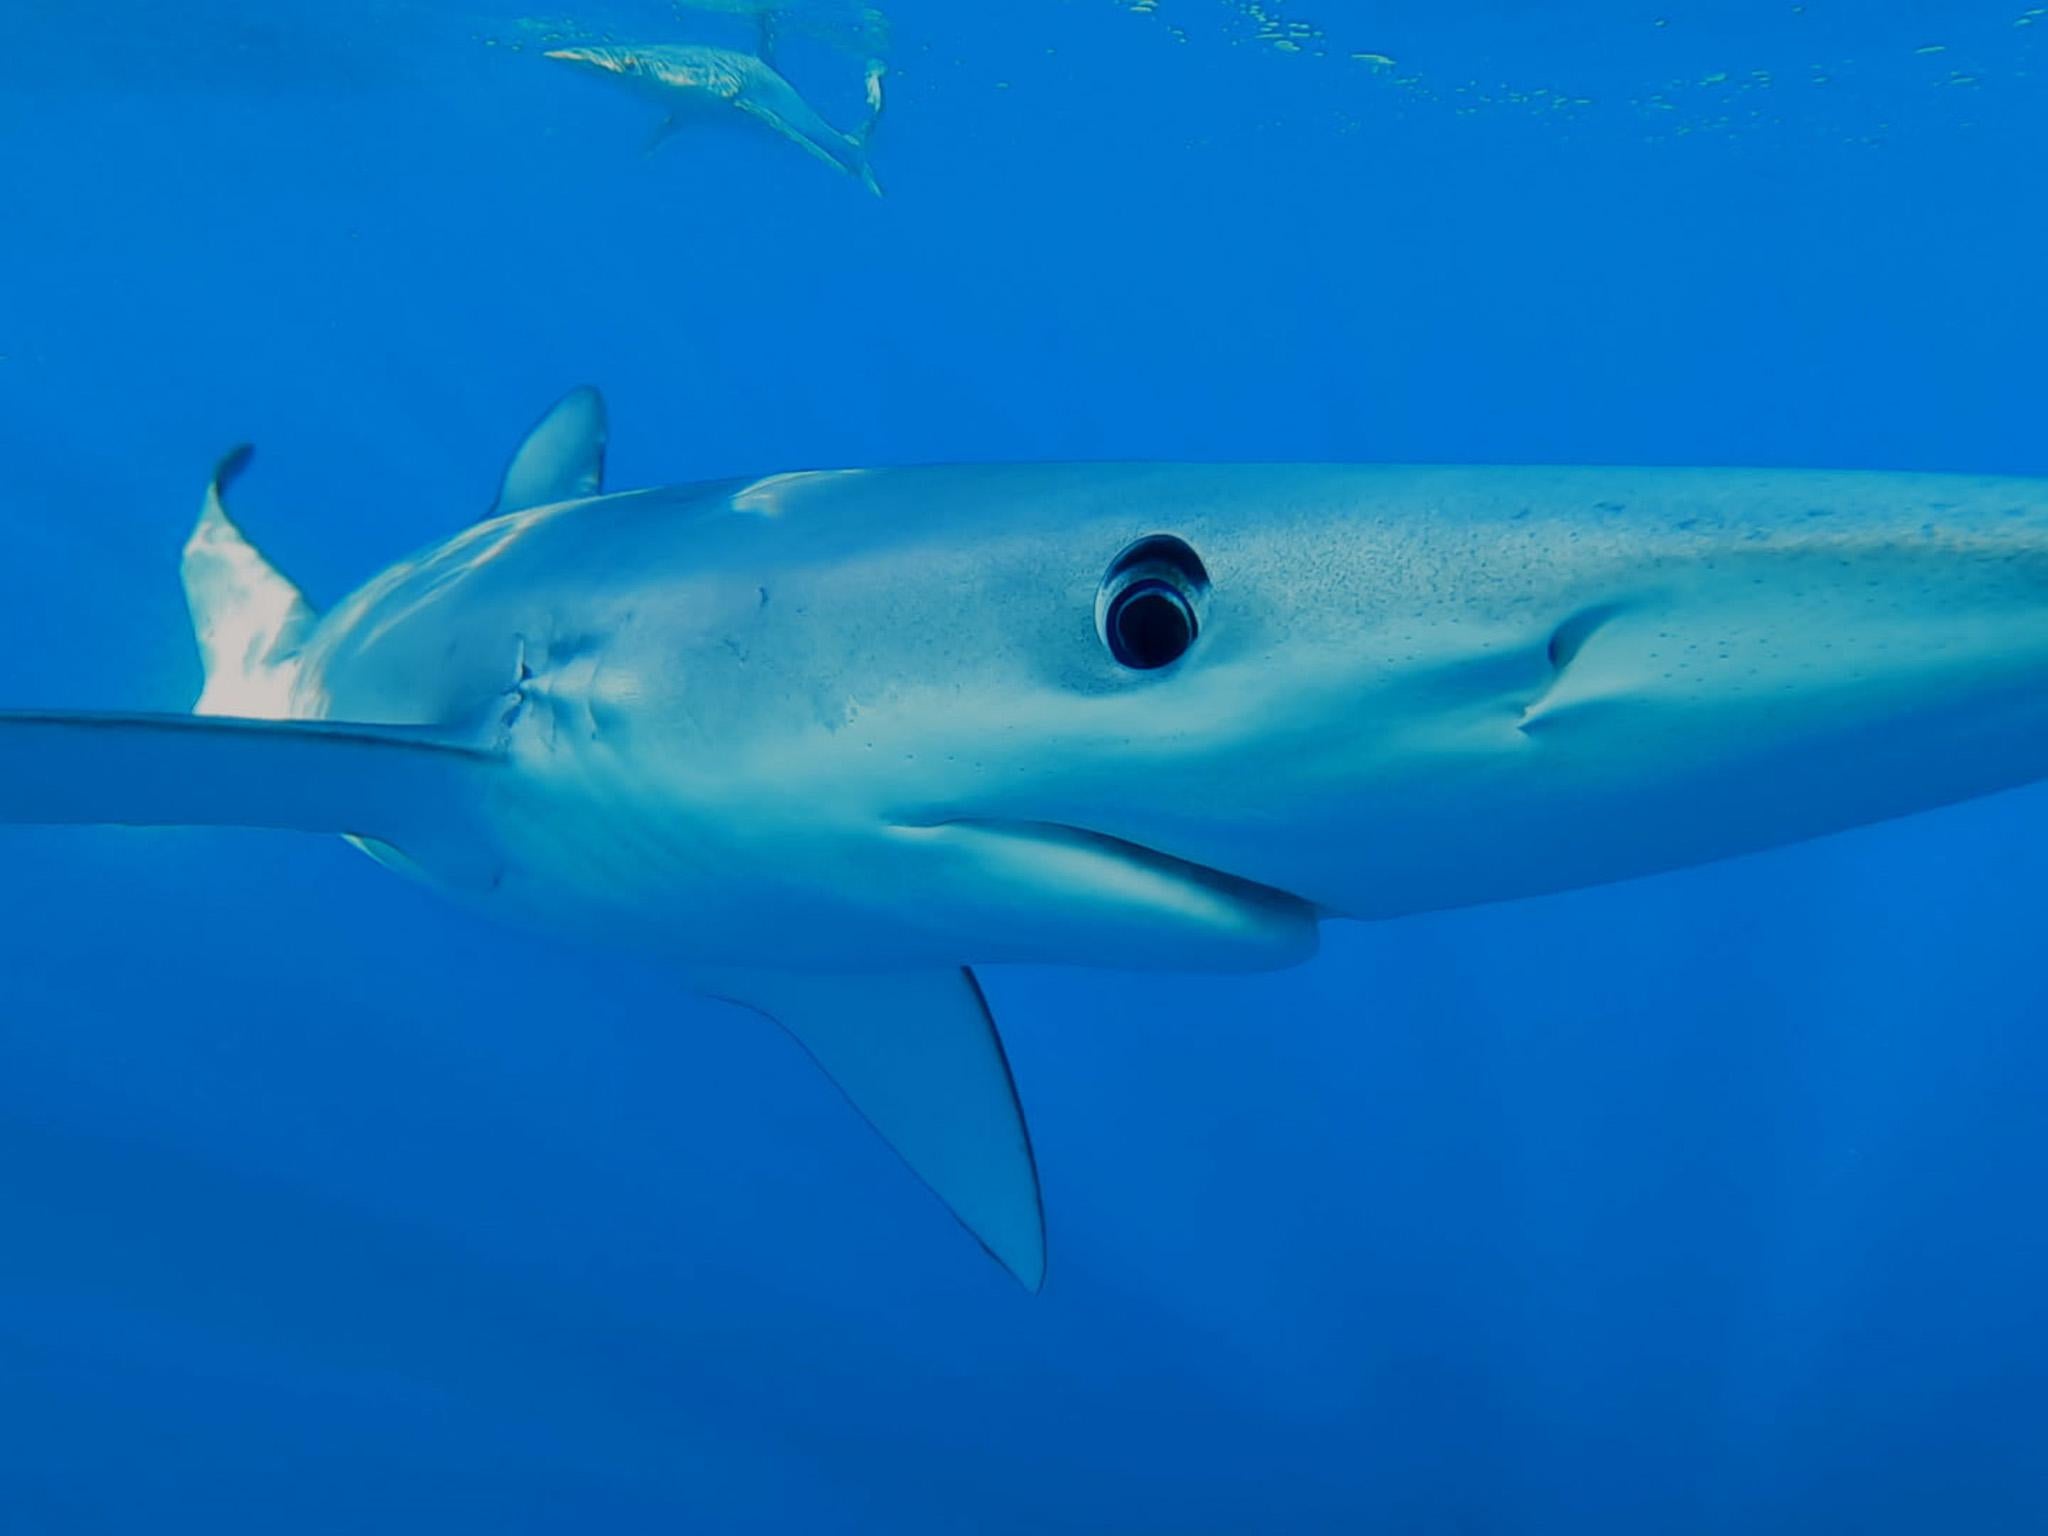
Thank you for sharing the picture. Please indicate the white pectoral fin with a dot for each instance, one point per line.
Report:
(562, 458)
(247, 616)
(918, 1055)
(396, 785)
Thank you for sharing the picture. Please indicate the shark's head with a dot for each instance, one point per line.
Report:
(1174, 715)
(671, 73)
(624, 62)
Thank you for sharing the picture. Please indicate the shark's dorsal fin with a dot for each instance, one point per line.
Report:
(249, 619)
(562, 458)
(918, 1055)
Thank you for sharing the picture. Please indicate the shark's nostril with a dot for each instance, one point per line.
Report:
(1566, 641)
(1570, 637)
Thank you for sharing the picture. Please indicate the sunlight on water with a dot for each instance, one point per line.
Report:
(1824, 67)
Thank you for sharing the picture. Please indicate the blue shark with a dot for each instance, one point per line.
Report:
(826, 742)
(848, 24)
(694, 82)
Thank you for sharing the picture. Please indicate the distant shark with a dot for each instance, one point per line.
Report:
(825, 740)
(837, 23)
(692, 82)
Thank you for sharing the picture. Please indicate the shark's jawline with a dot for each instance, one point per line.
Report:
(1156, 863)
(1135, 852)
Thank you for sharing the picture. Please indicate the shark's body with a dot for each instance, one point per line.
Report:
(692, 82)
(823, 740)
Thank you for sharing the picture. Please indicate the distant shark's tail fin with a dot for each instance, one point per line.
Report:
(250, 621)
(862, 138)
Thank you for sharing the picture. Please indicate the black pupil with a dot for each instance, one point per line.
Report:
(1150, 626)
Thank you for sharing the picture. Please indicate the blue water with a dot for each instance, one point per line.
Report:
(1706, 1203)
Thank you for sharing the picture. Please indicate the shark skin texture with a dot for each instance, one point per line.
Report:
(827, 741)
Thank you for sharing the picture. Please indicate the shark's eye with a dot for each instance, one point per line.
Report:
(1149, 608)
(1150, 625)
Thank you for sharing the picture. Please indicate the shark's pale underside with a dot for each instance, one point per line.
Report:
(826, 740)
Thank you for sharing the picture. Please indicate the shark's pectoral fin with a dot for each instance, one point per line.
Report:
(562, 458)
(919, 1057)
(389, 783)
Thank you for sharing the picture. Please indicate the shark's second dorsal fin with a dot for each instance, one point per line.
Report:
(562, 458)
(249, 619)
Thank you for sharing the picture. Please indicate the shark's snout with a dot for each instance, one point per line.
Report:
(612, 61)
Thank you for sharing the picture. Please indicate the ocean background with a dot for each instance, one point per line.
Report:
(1707, 1203)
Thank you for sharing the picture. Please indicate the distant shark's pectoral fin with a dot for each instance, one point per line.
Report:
(663, 130)
(388, 783)
(919, 1057)
(562, 458)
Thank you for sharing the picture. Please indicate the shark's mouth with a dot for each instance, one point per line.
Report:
(1106, 900)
